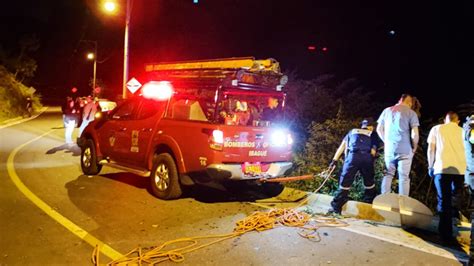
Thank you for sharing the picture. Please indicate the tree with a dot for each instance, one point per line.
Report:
(22, 66)
(25, 68)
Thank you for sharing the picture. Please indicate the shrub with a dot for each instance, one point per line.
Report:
(13, 96)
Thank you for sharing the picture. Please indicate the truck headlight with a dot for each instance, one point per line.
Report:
(289, 139)
(217, 140)
(278, 138)
(281, 138)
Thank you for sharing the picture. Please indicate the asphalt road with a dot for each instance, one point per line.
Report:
(52, 214)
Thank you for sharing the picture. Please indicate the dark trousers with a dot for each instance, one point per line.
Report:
(471, 248)
(355, 162)
(449, 188)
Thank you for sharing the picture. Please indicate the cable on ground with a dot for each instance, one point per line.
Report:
(174, 250)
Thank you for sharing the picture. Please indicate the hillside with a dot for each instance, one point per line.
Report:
(13, 96)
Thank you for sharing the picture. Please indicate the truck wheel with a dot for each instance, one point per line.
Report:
(164, 177)
(272, 189)
(89, 163)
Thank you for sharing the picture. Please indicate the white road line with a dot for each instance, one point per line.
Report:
(15, 121)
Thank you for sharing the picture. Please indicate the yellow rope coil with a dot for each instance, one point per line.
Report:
(174, 250)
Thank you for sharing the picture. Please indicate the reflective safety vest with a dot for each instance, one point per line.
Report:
(360, 140)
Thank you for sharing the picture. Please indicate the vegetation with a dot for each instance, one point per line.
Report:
(15, 72)
(21, 64)
(13, 96)
(321, 112)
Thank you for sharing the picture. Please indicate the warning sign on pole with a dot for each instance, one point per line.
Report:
(133, 85)
(31, 90)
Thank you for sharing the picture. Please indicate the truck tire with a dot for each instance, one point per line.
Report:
(89, 163)
(164, 178)
(272, 189)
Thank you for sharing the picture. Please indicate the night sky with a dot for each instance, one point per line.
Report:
(422, 47)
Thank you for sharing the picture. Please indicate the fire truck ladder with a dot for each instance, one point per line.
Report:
(246, 71)
(230, 64)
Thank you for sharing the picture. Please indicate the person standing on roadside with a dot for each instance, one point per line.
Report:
(447, 165)
(468, 138)
(29, 106)
(88, 114)
(70, 118)
(398, 129)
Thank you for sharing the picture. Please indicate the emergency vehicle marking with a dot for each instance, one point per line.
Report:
(239, 144)
(362, 132)
(112, 141)
(229, 148)
(258, 153)
(134, 147)
(253, 168)
(203, 161)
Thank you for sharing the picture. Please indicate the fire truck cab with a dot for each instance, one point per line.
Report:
(196, 122)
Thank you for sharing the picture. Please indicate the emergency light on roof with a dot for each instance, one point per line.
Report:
(157, 90)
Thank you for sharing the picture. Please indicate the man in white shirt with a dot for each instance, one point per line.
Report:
(88, 114)
(447, 164)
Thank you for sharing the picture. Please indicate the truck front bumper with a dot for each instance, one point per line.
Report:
(235, 172)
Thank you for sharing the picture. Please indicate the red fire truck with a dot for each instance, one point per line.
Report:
(196, 122)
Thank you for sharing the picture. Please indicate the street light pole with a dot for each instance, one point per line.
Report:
(95, 72)
(125, 48)
(93, 56)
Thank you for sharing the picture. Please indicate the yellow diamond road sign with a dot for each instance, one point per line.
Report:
(133, 85)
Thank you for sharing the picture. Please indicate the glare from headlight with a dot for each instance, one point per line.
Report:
(279, 138)
(290, 139)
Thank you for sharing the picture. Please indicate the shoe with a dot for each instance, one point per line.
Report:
(448, 241)
(471, 261)
(456, 221)
(332, 211)
(368, 201)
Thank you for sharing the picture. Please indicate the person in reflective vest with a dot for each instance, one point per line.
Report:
(468, 137)
(360, 147)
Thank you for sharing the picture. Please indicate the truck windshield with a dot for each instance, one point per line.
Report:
(193, 104)
(250, 110)
(239, 108)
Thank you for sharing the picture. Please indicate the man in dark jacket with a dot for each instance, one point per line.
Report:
(360, 146)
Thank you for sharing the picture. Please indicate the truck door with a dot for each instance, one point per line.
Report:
(141, 131)
(107, 137)
(118, 131)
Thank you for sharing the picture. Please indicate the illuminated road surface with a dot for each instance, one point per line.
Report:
(116, 210)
